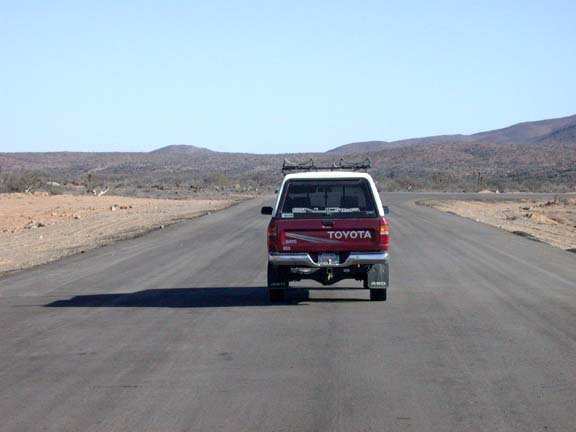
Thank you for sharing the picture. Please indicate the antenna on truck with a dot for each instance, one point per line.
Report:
(288, 166)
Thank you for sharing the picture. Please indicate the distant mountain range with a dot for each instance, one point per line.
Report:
(532, 156)
(561, 130)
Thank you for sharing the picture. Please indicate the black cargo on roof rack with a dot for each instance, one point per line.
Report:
(288, 166)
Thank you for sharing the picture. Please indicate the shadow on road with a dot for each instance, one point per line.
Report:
(196, 298)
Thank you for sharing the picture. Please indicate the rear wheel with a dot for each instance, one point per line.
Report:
(277, 295)
(277, 283)
(378, 294)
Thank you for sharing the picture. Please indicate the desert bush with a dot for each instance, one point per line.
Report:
(219, 180)
(20, 182)
(53, 188)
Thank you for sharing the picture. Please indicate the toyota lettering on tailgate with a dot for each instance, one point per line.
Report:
(349, 235)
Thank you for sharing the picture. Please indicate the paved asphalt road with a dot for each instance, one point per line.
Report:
(173, 332)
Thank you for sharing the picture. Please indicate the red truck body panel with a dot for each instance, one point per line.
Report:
(328, 235)
(335, 235)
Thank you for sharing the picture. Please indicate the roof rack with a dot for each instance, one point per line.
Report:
(288, 166)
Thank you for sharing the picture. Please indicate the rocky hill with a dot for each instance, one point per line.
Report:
(182, 149)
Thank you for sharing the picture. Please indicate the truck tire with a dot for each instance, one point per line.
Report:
(378, 294)
(277, 295)
(277, 283)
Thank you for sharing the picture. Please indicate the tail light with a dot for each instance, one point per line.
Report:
(384, 235)
(272, 236)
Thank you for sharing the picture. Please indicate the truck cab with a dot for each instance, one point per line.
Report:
(328, 226)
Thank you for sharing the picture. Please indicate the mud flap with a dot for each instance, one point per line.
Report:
(378, 277)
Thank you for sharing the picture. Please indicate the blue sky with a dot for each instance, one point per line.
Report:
(267, 77)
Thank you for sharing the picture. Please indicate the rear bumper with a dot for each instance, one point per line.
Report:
(305, 260)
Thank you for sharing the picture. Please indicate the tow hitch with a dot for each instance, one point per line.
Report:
(329, 274)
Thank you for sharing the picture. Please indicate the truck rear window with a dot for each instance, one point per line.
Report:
(346, 198)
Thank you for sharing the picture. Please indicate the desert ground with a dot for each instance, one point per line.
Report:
(551, 221)
(39, 228)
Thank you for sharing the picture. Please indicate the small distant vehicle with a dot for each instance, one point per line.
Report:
(328, 224)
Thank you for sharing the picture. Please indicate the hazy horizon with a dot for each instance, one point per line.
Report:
(240, 151)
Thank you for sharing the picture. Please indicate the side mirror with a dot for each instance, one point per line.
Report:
(266, 210)
(386, 210)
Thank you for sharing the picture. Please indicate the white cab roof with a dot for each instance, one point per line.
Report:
(328, 175)
(318, 175)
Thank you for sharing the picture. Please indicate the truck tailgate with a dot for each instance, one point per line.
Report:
(329, 235)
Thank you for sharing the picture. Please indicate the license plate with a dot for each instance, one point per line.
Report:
(328, 259)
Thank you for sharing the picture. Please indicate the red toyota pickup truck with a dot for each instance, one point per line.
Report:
(328, 226)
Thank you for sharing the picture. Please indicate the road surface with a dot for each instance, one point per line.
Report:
(173, 332)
